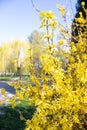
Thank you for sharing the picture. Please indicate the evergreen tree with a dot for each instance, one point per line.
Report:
(79, 24)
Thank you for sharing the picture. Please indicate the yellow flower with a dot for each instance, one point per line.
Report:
(13, 105)
(21, 117)
(62, 9)
(81, 20)
(3, 91)
(54, 24)
(83, 3)
(48, 15)
(74, 49)
(20, 95)
(60, 42)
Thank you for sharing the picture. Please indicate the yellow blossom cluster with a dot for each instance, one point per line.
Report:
(48, 19)
(60, 95)
(81, 20)
(61, 9)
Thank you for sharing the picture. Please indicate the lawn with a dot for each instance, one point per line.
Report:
(5, 78)
(13, 77)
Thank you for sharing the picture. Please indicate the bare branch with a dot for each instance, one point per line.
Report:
(34, 6)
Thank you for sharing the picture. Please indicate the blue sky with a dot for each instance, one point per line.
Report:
(18, 19)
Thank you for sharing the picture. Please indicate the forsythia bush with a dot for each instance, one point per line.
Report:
(60, 95)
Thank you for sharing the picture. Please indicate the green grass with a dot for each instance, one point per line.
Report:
(5, 78)
(10, 120)
(9, 77)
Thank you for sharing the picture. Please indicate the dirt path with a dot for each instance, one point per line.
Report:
(10, 92)
(7, 87)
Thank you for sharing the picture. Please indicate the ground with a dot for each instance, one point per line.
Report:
(10, 91)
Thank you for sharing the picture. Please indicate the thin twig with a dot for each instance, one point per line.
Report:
(34, 6)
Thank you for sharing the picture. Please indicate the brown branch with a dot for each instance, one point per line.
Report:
(34, 6)
(47, 29)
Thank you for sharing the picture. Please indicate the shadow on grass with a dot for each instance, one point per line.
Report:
(10, 118)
